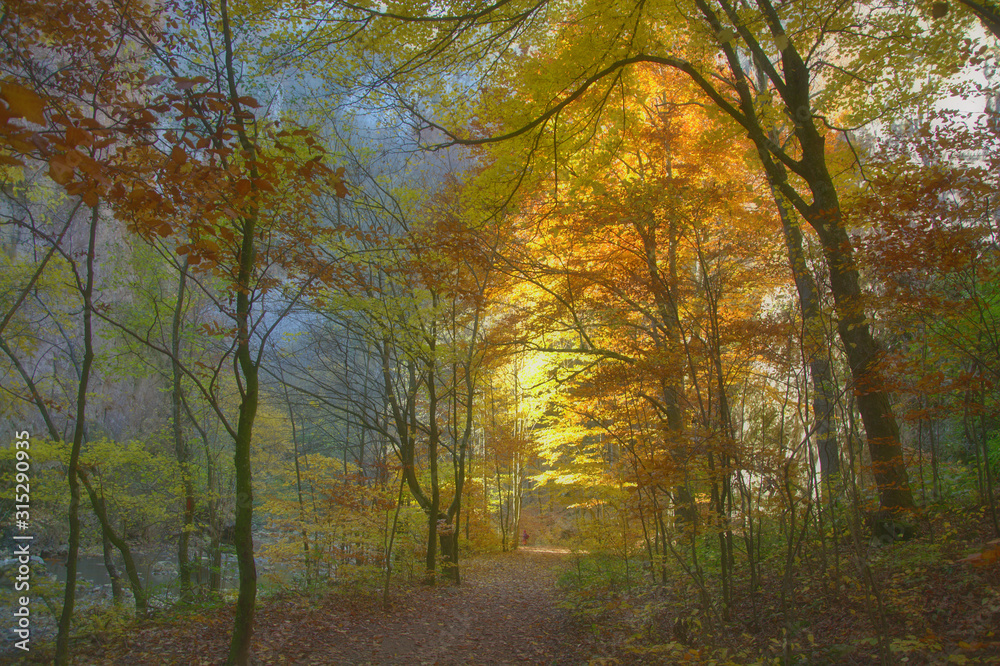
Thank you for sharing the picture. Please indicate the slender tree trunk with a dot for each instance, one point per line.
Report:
(501, 519)
(181, 449)
(239, 648)
(433, 513)
(664, 288)
(108, 533)
(69, 598)
(298, 473)
(392, 539)
(214, 527)
(131, 570)
(824, 395)
(117, 593)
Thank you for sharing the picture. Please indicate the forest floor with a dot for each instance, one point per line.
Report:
(936, 604)
(505, 612)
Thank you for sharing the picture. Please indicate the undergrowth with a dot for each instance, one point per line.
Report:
(933, 599)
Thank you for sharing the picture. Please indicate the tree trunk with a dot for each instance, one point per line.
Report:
(814, 342)
(824, 215)
(131, 570)
(113, 575)
(181, 449)
(664, 288)
(239, 647)
(69, 598)
(433, 512)
(448, 536)
(863, 356)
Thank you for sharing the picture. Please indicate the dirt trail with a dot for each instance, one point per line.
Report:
(505, 612)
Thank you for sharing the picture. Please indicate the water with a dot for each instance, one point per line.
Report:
(157, 570)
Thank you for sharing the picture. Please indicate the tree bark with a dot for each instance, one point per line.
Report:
(239, 647)
(131, 570)
(73, 467)
(814, 343)
(181, 449)
(823, 214)
(113, 575)
(433, 512)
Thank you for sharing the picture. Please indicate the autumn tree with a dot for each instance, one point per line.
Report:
(927, 188)
(70, 77)
(419, 315)
(722, 54)
(508, 413)
(634, 255)
(218, 169)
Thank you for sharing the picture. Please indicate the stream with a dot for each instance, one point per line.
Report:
(157, 570)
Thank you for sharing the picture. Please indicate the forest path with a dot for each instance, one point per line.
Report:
(505, 612)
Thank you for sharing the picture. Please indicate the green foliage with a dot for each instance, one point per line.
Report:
(140, 485)
(592, 583)
(104, 623)
(958, 483)
(599, 572)
(48, 487)
(646, 235)
(993, 454)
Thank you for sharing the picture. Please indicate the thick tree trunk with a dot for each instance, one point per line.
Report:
(825, 216)
(448, 536)
(863, 356)
(823, 213)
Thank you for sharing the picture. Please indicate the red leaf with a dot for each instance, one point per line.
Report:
(23, 103)
(178, 155)
(78, 137)
(59, 170)
(185, 83)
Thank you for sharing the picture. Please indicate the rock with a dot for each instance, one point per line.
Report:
(163, 569)
(13, 562)
(9, 569)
